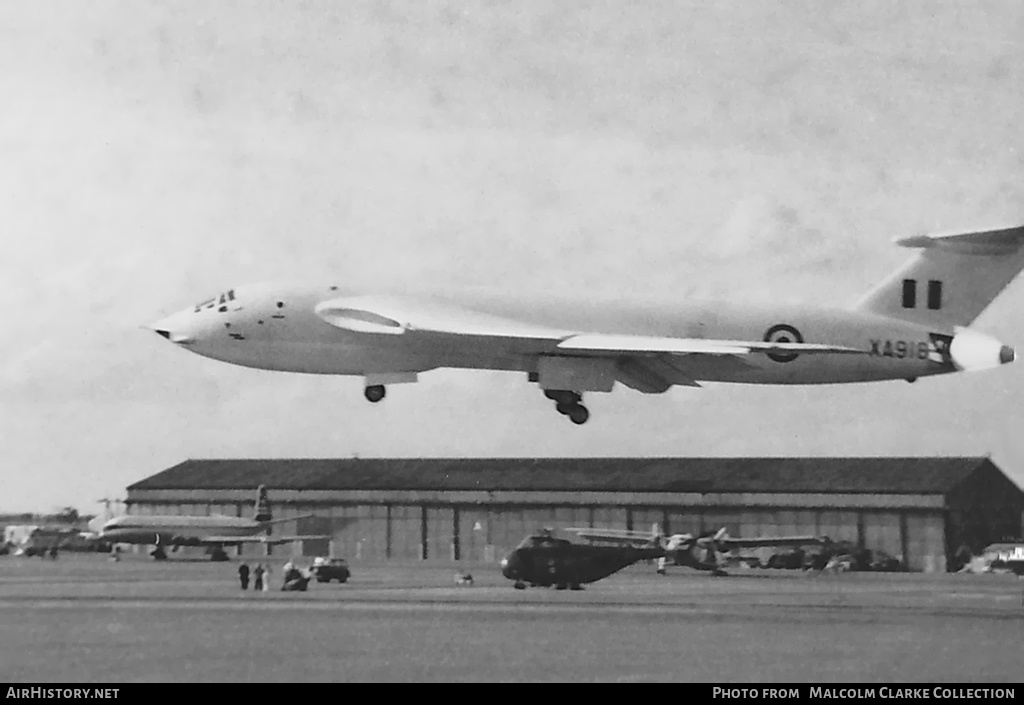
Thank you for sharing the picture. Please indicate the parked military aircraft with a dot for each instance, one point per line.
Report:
(542, 560)
(214, 531)
(701, 552)
(40, 540)
(913, 324)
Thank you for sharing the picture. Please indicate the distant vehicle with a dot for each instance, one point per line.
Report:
(839, 563)
(542, 560)
(702, 552)
(211, 531)
(883, 562)
(789, 560)
(327, 569)
(838, 556)
(1006, 556)
(912, 324)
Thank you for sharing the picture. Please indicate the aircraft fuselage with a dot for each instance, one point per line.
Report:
(176, 531)
(277, 328)
(566, 564)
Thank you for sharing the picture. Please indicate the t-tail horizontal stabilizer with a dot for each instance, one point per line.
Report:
(952, 278)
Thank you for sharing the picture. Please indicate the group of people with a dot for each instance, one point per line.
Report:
(292, 579)
(295, 579)
(260, 577)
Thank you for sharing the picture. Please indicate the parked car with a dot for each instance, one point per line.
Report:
(839, 563)
(845, 555)
(328, 569)
(882, 561)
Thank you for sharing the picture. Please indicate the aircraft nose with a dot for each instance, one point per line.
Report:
(1007, 354)
(510, 567)
(174, 328)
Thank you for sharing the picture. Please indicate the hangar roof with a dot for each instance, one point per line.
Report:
(704, 475)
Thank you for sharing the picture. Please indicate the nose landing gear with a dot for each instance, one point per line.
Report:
(374, 393)
(569, 404)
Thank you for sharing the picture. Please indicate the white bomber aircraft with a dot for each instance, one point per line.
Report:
(913, 324)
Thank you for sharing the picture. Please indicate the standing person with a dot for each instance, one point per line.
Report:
(266, 578)
(243, 575)
(257, 575)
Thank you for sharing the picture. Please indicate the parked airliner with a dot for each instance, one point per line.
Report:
(214, 531)
(913, 324)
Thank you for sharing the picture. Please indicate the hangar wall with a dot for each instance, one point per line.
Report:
(919, 510)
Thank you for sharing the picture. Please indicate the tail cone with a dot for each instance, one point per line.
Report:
(971, 350)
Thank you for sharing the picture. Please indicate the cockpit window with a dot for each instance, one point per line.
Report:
(221, 299)
(540, 540)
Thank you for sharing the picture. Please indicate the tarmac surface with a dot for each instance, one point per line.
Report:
(84, 618)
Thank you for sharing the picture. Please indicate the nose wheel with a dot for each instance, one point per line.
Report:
(569, 404)
(374, 393)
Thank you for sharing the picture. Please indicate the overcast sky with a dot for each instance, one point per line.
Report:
(153, 154)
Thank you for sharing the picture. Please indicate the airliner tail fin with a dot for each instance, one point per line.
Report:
(262, 513)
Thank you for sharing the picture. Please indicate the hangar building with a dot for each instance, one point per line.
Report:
(920, 510)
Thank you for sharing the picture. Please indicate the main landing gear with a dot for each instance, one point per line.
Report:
(374, 393)
(569, 404)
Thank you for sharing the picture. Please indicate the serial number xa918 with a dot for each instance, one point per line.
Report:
(900, 348)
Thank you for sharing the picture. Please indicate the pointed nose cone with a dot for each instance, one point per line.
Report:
(1007, 354)
(174, 328)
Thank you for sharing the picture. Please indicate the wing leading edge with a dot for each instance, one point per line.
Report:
(394, 315)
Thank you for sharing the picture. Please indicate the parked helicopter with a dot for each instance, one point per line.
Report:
(542, 560)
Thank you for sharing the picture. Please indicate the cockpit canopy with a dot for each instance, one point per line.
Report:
(220, 301)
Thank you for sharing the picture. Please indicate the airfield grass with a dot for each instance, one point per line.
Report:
(83, 619)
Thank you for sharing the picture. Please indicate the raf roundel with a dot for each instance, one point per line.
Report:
(783, 333)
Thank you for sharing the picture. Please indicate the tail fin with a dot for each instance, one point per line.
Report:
(951, 280)
(262, 505)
